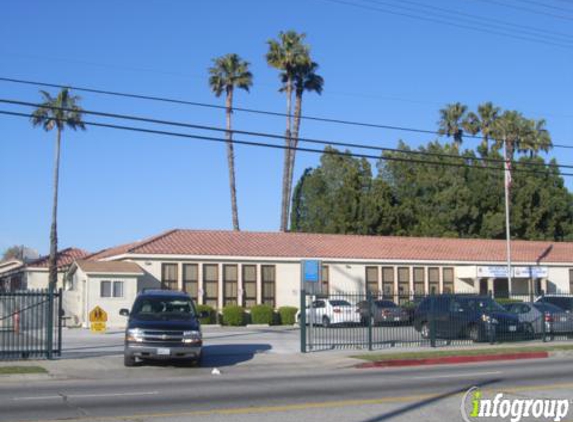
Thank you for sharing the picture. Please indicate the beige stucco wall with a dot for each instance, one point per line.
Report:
(38, 278)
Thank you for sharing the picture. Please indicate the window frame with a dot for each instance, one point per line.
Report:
(267, 299)
(167, 284)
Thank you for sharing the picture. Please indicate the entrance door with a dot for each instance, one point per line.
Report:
(501, 288)
(483, 286)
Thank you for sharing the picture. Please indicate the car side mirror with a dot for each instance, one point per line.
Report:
(124, 312)
(204, 314)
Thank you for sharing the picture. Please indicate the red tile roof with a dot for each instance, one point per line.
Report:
(63, 258)
(104, 267)
(307, 245)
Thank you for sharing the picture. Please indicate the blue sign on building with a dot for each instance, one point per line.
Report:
(311, 271)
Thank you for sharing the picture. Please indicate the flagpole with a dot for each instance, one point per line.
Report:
(507, 182)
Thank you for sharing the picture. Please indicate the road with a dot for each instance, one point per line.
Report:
(337, 394)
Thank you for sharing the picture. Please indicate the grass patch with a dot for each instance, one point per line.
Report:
(11, 370)
(462, 352)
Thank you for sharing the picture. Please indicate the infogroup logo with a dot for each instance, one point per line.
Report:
(475, 407)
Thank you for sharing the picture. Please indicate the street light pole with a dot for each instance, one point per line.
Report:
(507, 181)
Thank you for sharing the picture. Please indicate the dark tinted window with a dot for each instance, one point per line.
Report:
(340, 303)
(547, 307)
(163, 308)
(385, 304)
(565, 303)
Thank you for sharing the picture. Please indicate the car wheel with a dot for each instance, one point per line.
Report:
(473, 333)
(325, 322)
(128, 360)
(425, 330)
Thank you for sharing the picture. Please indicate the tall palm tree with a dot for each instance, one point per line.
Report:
(286, 54)
(227, 73)
(451, 122)
(535, 138)
(482, 122)
(511, 129)
(305, 79)
(59, 112)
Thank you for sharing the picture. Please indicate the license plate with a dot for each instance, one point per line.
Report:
(163, 352)
(512, 328)
(397, 318)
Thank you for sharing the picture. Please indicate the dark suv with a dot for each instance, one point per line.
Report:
(478, 318)
(163, 324)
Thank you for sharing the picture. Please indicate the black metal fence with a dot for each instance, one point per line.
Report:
(368, 321)
(30, 324)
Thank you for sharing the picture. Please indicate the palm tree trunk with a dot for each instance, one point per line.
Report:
(231, 162)
(292, 155)
(52, 260)
(286, 161)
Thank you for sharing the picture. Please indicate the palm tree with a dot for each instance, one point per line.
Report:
(535, 138)
(230, 72)
(305, 79)
(482, 122)
(451, 122)
(287, 54)
(59, 112)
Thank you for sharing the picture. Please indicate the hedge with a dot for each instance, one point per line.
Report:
(206, 308)
(262, 314)
(287, 315)
(506, 301)
(234, 316)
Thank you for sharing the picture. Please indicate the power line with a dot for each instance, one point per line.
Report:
(528, 9)
(548, 6)
(302, 149)
(484, 21)
(269, 135)
(452, 23)
(246, 110)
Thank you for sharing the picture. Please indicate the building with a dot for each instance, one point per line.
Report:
(219, 268)
(34, 274)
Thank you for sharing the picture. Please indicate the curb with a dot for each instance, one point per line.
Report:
(452, 359)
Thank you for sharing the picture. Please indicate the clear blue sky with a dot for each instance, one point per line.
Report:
(378, 67)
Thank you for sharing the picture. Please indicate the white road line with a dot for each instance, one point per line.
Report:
(462, 375)
(83, 396)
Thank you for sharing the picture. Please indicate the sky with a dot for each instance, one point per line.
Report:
(389, 62)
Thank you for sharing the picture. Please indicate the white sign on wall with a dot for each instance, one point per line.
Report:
(500, 271)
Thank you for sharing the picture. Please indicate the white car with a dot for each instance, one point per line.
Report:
(327, 312)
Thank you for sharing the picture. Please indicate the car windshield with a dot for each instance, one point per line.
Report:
(163, 308)
(385, 304)
(340, 303)
(485, 304)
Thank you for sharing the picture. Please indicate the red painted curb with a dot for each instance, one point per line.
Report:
(453, 359)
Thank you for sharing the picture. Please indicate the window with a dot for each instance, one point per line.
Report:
(419, 281)
(105, 289)
(388, 281)
(111, 289)
(434, 280)
(191, 280)
(448, 280)
(403, 281)
(211, 284)
(325, 287)
(268, 279)
(230, 285)
(249, 285)
(372, 280)
(169, 276)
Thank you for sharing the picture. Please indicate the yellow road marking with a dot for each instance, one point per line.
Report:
(311, 405)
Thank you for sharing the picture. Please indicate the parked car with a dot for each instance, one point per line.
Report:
(542, 317)
(163, 324)
(382, 311)
(478, 318)
(327, 312)
(563, 302)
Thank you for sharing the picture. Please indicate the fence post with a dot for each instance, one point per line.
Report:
(543, 327)
(60, 317)
(302, 321)
(432, 321)
(370, 317)
(489, 324)
(50, 323)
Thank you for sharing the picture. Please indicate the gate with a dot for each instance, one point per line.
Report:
(30, 324)
(366, 321)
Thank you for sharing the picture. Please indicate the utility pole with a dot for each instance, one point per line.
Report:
(507, 182)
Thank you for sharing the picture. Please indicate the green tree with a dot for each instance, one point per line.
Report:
(57, 113)
(13, 252)
(227, 73)
(482, 122)
(287, 54)
(451, 122)
(305, 79)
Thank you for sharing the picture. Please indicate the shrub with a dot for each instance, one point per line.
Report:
(262, 314)
(206, 308)
(233, 315)
(288, 315)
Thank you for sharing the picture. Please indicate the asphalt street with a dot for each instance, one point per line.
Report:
(347, 394)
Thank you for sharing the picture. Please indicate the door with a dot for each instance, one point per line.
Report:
(501, 288)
